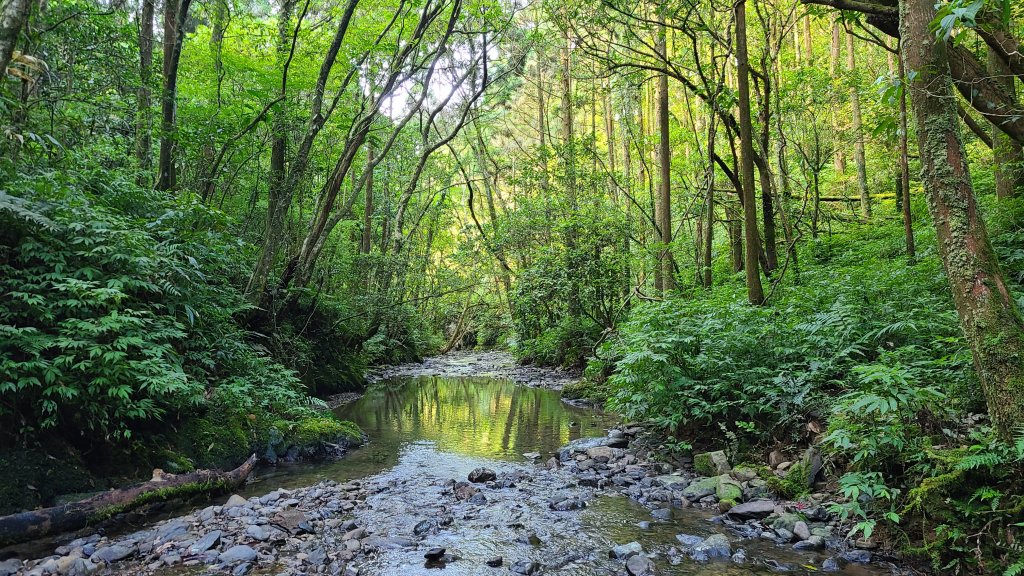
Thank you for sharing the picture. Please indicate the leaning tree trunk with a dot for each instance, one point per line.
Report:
(34, 524)
(988, 314)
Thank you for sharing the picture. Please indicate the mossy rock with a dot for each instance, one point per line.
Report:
(212, 442)
(793, 485)
(701, 488)
(711, 463)
(310, 432)
(585, 389)
(728, 489)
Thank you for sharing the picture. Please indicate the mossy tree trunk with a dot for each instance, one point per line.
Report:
(988, 314)
(752, 239)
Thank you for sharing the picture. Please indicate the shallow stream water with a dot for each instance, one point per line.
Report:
(427, 431)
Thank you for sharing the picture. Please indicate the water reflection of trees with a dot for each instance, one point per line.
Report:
(480, 416)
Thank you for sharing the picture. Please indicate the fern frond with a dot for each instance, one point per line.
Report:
(25, 211)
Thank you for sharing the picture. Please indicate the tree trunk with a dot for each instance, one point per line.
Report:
(665, 185)
(367, 242)
(13, 15)
(35, 524)
(709, 206)
(144, 117)
(908, 222)
(988, 314)
(175, 12)
(755, 293)
(858, 131)
(839, 158)
(1007, 157)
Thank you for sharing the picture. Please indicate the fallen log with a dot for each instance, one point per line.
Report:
(25, 526)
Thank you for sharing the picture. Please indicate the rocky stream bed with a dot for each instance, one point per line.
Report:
(446, 503)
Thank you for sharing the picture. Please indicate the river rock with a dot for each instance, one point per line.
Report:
(810, 543)
(242, 569)
(10, 566)
(481, 475)
(234, 501)
(464, 490)
(354, 534)
(857, 556)
(810, 463)
(661, 513)
(424, 526)
(237, 553)
(688, 540)
(112, 553)
(434, 554)
(711, 463)
(700, 489)
(728, 489)
(257, 532)
(625, 551)
(801, 530)
(603, 454)
(495, 562)
(714, 547)
(209, 540)
(565, 504)
(786, 521)
(755, 509)
(525, 567)
(639, 565)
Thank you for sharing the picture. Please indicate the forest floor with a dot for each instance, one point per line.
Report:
(598, 505)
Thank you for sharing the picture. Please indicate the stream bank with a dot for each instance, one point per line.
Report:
(571, 492)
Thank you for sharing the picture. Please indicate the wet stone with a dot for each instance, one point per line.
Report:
(481, 475)
(525, 567)
(640, 565)
(434, 554)
(495, 562)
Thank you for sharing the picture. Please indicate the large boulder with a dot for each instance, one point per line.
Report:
(755, 509)
(711, 463)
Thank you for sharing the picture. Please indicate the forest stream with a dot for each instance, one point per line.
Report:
(388, 506)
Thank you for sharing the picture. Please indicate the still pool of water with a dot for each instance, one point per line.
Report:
(427, 430)
(479, 417)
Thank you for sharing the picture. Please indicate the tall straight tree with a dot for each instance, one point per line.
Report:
(858, 130)
(175, 12)
(144, 98)
(667, 275)
(752, 240)
(988, 313)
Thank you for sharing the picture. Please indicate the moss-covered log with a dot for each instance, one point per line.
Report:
(33, 524)
(988, 313)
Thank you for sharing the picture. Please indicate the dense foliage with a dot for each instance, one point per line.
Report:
(763, 225)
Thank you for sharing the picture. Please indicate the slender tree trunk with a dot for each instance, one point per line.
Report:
(771, 256)
(755, 293)
(839, 157)
(175, 12)
(568, 136)
(144, 114)
(858, 131)
(665, 184)
(542, 128)
(908, 222)
(367, 242)
(1007, 157)
(709, 206)
(988, 313)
